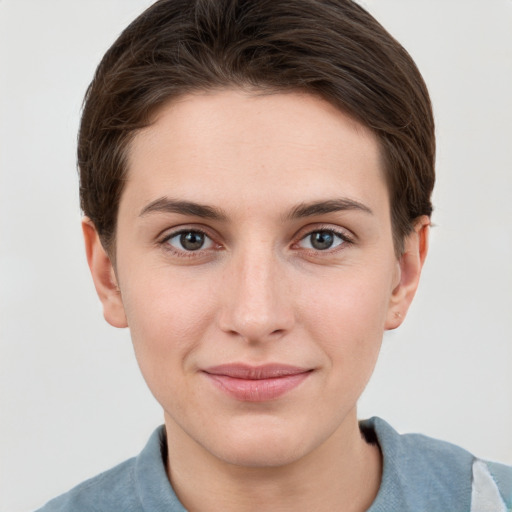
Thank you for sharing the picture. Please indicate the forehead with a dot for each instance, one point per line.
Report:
(234, 144)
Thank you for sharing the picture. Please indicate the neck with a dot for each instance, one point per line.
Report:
(342, 474)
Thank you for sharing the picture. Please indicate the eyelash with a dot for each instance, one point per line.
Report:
(183, 253)
(345, 240)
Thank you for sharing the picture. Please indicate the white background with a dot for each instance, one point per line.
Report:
(72, 402)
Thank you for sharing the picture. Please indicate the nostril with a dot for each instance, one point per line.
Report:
(256, 308)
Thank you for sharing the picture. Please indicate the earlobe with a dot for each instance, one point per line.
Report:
(410, 265)
(103, 276)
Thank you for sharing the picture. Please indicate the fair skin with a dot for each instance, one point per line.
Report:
(255, 230)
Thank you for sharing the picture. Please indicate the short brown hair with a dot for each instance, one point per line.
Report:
(330, 48)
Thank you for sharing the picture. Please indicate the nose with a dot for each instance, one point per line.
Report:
(258, 304)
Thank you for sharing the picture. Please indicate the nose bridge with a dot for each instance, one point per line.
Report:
(257, 304)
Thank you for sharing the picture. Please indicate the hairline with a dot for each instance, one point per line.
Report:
(109, 243)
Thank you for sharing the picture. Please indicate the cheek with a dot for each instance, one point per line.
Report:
(167, 316)
(362, 290)
(347, 315)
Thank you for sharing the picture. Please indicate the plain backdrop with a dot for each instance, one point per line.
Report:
(72, 402)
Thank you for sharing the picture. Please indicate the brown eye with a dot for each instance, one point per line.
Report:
(190, 241)
(322, 240)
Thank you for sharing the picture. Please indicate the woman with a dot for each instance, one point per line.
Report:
(256, 179)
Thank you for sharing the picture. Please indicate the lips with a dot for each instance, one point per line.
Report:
(256, 383)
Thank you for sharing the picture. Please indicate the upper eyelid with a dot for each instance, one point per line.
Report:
(182, 231)
(344, 233)
(344, 240)
(302, 233)
(163, 242)
(169, 233)
(339, 232)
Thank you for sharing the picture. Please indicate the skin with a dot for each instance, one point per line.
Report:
(258, 291)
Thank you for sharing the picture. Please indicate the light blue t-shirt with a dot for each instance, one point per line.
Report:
(420, 474)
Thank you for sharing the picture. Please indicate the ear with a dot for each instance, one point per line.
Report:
(410, 265)
(103, 276)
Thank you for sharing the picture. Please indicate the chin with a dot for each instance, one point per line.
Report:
(259, 445)
(262, 454)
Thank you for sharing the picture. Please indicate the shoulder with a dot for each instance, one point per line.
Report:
(138, 484)
(492, 487)
(106, 491)
(425, 474)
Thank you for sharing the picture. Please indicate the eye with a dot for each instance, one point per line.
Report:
(322, 240)
(191, 240)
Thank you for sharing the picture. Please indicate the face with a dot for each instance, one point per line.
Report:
(256, 271)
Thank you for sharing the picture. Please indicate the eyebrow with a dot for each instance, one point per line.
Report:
(329, 206)
(166, 205)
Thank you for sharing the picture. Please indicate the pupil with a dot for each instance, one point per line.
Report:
(322, 240)
(192, 241)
